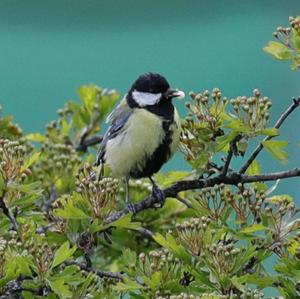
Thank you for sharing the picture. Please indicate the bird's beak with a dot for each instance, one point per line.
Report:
(174, 93)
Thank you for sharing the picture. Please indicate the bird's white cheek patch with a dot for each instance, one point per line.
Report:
(146, 98)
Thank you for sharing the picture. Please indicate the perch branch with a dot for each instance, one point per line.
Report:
(232, 178)
(278, 124)
(100, 273)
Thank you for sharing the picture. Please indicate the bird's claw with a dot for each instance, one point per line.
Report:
(159, 195)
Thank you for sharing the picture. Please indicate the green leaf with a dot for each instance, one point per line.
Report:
(278, 50)
(129, 257)
(238, 126)
(125, 222)
(253, 228)
(71, 212)
(88, 96)
(296, 40)
(259, 280)
(2, 183)
(62, 254)
(37, 137)
(30, 160)
(31, 188)
(127, 285)
(60, 288)
(275, 147)
(269, 132)
(65, 127)
(177, 249)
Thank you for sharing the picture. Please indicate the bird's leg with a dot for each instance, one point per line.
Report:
(157, 193)
(129, 204)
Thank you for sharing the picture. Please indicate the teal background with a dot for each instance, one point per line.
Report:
(48, 48)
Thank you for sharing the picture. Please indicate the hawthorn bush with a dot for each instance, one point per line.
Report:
(66, 234)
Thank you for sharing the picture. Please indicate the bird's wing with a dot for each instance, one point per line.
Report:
(122, 107)
(118, 118)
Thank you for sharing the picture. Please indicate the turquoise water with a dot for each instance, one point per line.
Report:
(50, 47)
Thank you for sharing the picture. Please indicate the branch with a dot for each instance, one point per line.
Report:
(278, 124)
(7, 212)
(232, 178)
(85, 143)
(100, 273)
(232, 151)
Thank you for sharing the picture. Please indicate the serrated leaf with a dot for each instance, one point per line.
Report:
(125, 222)
(129, 257)
(60, 288)
(37, 137)
(31, 188)
(127, 285)
(177, 249)
(88, 96)
(260, 281)
(30, 160)
(269, 132)
(65, 127)
(275, 147)
(253, 228)
(278, 50)
(63, 253)
(71, 212)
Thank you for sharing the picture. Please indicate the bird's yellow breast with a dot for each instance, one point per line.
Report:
(138, 140)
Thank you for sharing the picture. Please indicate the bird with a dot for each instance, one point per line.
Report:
(144, 133)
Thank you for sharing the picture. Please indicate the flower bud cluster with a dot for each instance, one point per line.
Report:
(3, 245)
(12, 155)
(58, 160)
(253, 111)
(191, 233)
(295, 22)
(159, 260)
(224, 255)
(36, 245)
(283, 33)
(102, 194)
(217, 195)
(202, 123)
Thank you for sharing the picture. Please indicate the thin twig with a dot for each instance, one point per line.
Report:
(183, 201)
(100, 273)
(232, 151)
(232, 178)
(7, 212)
(278, 124)
(85, 143)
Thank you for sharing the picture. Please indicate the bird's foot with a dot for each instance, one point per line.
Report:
(159, 195)
(130, 207)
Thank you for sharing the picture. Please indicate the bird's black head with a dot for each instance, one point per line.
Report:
(151, 82)
(150, 89)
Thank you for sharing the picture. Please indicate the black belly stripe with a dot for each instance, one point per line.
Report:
(159, 156)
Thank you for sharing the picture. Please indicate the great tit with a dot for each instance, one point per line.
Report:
(144, 132)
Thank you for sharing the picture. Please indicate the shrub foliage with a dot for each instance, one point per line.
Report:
(64, 233)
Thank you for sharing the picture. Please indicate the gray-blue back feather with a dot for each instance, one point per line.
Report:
(117, 124)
